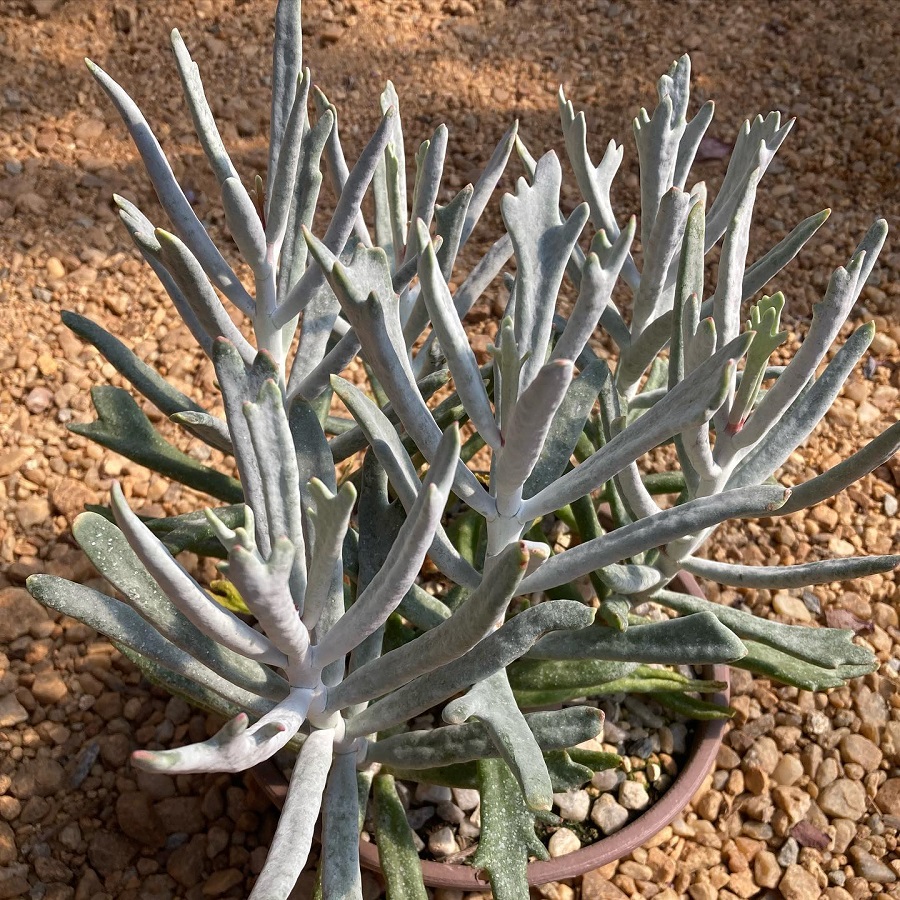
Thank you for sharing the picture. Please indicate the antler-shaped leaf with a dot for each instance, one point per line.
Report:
(235, 747)
(186, 594)
(387, 588)
(108, 550)
(171, 196)
(493, 703)
(543, 243)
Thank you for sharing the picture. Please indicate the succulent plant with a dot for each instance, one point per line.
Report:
(331, 642)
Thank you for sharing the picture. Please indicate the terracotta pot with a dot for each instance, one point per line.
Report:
(701, 756)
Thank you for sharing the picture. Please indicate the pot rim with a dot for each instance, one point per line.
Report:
(707, 739)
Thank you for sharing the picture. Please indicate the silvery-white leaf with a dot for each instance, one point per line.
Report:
(171, 196)
(670, 524)
(293, 838)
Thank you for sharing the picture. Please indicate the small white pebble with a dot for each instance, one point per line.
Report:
(563, 841)
(607, 779)
(573, 806)
(607, 815)
(633, 795)
(890, 505)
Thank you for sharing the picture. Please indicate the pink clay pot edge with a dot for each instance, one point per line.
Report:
(702, 755)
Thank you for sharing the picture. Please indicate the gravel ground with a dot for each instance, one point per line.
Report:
(805, 798)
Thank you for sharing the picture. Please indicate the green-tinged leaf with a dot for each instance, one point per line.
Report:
(566, 774)
(596, 760)
(341, 878)
(396, 851)
(124, 428)
(179, 686)
(188, 531)
(507, 832)
(685, 640)
(145, 379)
(423, 610)
(692, 707)
(122, 624)
(108, 550)
(452, 744)
(546, 674)
(492, 702)
(614, 612)
(771, 663)
(831, 648)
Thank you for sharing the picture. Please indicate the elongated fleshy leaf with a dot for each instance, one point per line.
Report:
(827, 647)
(472, 621)
(492, 701)
(274, 447)
(240, 385)
(542, 243)
(170, 194)
(567, 426)
(124, 428)
(145, 379)
(108, 550)
(525, 432)
(396, 850)
(690, 403)
(186, 594)
(762, 659)
(341, 222)
(668, 525)
(497, 650)
(828, 317)
(453, 744)
(768, 266)
(799, 420)
(454, 342)
(386, 590)
(507, 835)
(783, 577)
(201, 114)
(597, 282)
(210, 429)
(341, 877)
(681, 641)
(386, 444)
(122, 624)
(293, 838)
(844, 473)
(236, 746)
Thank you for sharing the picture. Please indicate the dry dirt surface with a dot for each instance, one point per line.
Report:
(805, 800)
